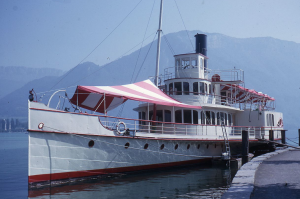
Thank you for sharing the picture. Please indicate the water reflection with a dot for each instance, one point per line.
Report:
(187, 182)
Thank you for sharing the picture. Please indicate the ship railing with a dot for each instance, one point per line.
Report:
(209, 74)
(204, 98)
(134, 126)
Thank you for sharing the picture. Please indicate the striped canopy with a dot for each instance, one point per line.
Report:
(105, 98)
(244, 95)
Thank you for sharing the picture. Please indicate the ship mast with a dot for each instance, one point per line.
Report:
(158, 46)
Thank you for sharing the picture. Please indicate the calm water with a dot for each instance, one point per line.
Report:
(188, 182)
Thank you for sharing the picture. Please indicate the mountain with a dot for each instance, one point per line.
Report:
(14, 77)
(270, 66)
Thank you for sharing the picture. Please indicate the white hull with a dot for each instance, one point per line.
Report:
(67, 154)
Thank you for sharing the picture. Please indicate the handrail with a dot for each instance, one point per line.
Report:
(53, 95)
(149, 126)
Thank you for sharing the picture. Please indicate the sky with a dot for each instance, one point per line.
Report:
(63, 33)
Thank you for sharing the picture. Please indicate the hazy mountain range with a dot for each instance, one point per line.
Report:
(271, 66)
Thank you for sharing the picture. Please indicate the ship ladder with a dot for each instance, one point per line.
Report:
(226, 155)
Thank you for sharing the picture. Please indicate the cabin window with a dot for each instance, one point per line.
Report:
(221, 118)
(185, 63)
(167, 116)
(150, 115)
(213, 122)
(142, 116)
(187, 116)
(171, 89)
(201, 87)
(194, 63)
(186, 88)
(178, 88)
(178, 116)
(159, 115)
(223, 97)
(229, 120)
(202, 118)
(270, 120)
(195, 117)
(201, 63)
(205, 88)
(177, 62)
(207, 114)
(195, 88)
(210, 90)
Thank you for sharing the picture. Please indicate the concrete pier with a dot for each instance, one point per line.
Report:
(272, 175)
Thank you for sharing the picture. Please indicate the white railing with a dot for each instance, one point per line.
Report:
(134, 126)
(225, 75)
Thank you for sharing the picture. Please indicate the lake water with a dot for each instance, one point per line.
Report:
(183, 182)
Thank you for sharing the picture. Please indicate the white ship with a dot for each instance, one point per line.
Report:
(190, 115)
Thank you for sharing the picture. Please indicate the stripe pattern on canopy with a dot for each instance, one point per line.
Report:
(244, 95)
(101, 98)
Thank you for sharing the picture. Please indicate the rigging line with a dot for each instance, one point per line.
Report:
(292, 141)
(144, 59)
(142, 42)
(109, 63)
(184, 25)
(98, 44)
(168, 43)
(55, 90)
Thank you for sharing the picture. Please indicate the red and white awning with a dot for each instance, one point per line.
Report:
(243, 95)
(101, 98)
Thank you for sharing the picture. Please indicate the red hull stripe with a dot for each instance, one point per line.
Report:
(87, 173)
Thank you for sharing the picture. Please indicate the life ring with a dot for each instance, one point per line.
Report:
(118, 128)
(280, 123)
(41, 125)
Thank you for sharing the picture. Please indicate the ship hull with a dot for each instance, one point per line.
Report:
(57, 156)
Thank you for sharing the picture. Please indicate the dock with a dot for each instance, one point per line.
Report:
(272, 175)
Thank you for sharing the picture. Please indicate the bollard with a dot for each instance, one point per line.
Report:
(245, 147)
(271, 135)
(283, 136)
(271, 138)
(299, 136)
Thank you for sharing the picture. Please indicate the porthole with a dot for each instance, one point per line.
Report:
(162, 147)
(91, 143)
(188, 146)
(198, 147)
(146, 146)
(176, 146)
(127, 145)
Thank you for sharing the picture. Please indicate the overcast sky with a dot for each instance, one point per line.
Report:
(62, 33)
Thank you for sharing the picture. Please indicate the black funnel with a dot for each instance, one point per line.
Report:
(201, 44)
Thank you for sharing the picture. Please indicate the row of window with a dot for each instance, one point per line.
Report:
(183, 88)
(190, 117)
(188, 62)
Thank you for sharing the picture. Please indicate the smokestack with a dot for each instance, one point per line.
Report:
(201, 44)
